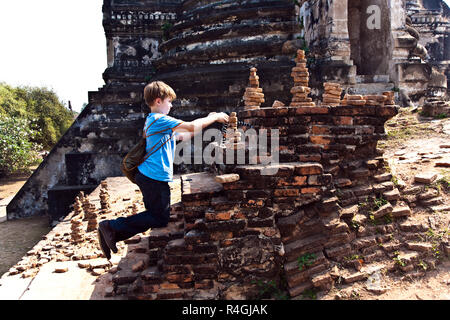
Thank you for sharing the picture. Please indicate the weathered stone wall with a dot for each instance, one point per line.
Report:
(213, 44)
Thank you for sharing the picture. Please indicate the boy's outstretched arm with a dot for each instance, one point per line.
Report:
(187, 130)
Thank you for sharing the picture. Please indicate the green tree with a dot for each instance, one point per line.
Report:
(41, 107)
(17, 152)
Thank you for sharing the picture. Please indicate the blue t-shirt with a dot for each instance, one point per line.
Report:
(159, 165)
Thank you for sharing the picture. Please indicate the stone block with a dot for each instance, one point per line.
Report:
(392, 195)
(337, 252)
(422, 247)
(383, 177)
(401, 211)
(426, 177)
(322, 280)
(384, 210)
(299, 246)
(227, 178)
(349, 212)
(357, 276)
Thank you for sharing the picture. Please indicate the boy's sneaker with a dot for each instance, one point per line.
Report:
(108, 235)
(105, 249)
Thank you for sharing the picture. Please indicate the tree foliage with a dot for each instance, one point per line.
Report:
(31, 119)
(16, 150)
(41, 107)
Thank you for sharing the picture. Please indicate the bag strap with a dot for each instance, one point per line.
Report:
(144, 136)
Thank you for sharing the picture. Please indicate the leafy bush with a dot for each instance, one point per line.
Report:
(17, 152)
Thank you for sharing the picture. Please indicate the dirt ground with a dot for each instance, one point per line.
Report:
(414, 145)
(18, 236)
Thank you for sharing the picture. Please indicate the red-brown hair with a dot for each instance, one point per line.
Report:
(158, 89)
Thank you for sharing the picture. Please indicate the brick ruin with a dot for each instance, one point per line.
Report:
(292, 221)
(328, 212)
(204, 50)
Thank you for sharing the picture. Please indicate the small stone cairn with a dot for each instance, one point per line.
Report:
(332, 95)
(435, 106)
(253, 96)
(233, 136)
(105, 207)
(134, 208)
(353, 100)
(77, 233)
(90, 215)
(390, 101)
(301, 88)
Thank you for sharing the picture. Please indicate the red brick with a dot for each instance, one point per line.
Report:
(320, 130)
(387, 111)
(175, 278)
(286, 192)
(345, 121)
(310, 157)
(310, 190)
(321, 139)
(214, 216)
(312, 110)
(308, 169)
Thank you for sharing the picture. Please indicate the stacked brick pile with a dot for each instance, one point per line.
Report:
(353, 100)
(90, 215)
(436, 107)
(233, 136)
(390, 98)
(375, 100)
(134, 208)
(301, 89)
(332, 95)
(77, 233)
(105, 207)
(253, 96)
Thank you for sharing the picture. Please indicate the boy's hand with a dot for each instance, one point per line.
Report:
(221, 117)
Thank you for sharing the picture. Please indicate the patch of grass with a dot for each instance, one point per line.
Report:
(305, 260)
(354, 257)
(443, 183)
(355, 225)
(310, 293)
(379, 202)
(441, 116)
(269, 289)
(422, 264)
(398, 260)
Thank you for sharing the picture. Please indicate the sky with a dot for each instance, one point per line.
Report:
(58, 44)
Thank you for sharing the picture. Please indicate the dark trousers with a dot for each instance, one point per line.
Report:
(156, 196)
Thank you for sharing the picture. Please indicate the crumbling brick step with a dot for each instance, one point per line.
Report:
(199, 186)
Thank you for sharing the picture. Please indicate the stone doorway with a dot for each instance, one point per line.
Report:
(369, 45)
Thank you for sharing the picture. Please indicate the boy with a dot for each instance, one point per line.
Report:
(155, 173)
